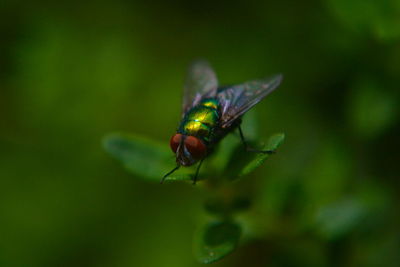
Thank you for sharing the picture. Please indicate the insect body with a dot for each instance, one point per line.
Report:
(210, 113)
(201, 120)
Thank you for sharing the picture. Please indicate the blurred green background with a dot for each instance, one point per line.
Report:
(70, 73)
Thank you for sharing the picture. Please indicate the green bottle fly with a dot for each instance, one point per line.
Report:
(210, 113)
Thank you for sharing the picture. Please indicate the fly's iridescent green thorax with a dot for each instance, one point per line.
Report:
(201, 120)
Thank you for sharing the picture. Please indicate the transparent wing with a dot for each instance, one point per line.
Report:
(201, 82)
(238, 99)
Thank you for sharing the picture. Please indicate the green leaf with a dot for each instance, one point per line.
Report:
(228, 145)
(220, 159)
(216, 240)
(143, 157)
(273, 143)
(244, 162)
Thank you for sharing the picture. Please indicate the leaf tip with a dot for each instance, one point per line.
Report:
(216, 240)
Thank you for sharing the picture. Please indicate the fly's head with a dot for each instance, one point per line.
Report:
(188, 149)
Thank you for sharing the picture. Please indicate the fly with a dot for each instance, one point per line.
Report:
(210, 112)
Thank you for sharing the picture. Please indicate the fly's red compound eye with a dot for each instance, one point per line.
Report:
(196, 147)
(175, 141)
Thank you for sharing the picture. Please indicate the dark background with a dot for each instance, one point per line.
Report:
(71, 73)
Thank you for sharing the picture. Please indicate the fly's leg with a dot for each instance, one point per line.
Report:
(165, 176)
(250, 149)
(197, 172)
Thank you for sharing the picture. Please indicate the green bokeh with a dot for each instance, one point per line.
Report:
(71, 73)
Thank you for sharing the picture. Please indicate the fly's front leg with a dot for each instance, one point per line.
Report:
(197, 172)
(250, 149)
(165, 176)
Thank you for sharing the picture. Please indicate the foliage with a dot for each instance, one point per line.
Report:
(71, 73)
(151, 160)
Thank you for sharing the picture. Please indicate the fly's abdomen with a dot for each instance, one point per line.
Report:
(201, 120)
